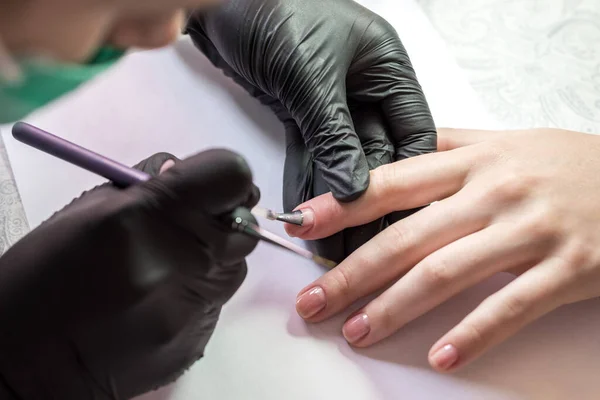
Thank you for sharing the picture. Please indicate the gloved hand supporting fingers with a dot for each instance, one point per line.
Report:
(206, 46)
(298, 175)
(303, 181)
(331, 139)
(372, 131)
(376, 155)
(392, 82)
(324, 115)
(408, 115)
(404, 106)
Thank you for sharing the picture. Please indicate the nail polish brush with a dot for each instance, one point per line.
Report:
(124, 176)
(294, 218)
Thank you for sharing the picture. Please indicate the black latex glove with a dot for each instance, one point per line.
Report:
(119, 292)
(303, 180)
(339, 79)
(314, 57)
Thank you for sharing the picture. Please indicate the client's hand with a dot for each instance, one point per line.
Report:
(119, 292)
(524, 202)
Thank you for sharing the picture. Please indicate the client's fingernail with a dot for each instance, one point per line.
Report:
(311, 302)
(445, 357)
(356, 328)
(308, 219)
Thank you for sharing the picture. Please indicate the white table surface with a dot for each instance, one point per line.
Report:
(174, 100)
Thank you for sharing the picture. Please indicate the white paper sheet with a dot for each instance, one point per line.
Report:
(174, 100)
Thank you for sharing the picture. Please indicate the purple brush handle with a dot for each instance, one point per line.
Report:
(121, 175)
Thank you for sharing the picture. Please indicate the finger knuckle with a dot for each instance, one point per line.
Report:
(578, 255)
(343, 281)
(436, 273)
(387, 317)
(542, 224)
(508, 187)
(399, 234)
(493, 149)
(386, 180)
(475, 333)
(515, 307)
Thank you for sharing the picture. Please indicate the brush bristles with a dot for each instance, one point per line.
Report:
(324, 262)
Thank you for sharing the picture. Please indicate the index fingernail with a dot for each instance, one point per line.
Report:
(308, 220)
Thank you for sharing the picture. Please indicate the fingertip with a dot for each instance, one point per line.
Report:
(323, 216)
(310, 302)
(308, 220)
(444, 357)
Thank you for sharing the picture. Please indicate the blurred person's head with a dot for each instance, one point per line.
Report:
(50, 47)
(73, 30)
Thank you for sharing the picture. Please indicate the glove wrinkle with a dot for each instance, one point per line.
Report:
(310, 61)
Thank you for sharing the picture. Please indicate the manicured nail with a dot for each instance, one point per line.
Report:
(294, 218)
(445, 357)
(356, 328)
(308, 219)
(311, 302)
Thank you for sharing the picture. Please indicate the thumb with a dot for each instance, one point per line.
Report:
(326, 125)
(216, 181)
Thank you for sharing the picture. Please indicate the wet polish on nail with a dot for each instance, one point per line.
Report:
(311, 302)
(308, 219)
(294, 218)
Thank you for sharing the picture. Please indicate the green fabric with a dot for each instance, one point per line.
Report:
(44, 82)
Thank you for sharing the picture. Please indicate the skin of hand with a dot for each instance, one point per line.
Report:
(72, 30)
(118, 293)
(313, 61)
(524, 202)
